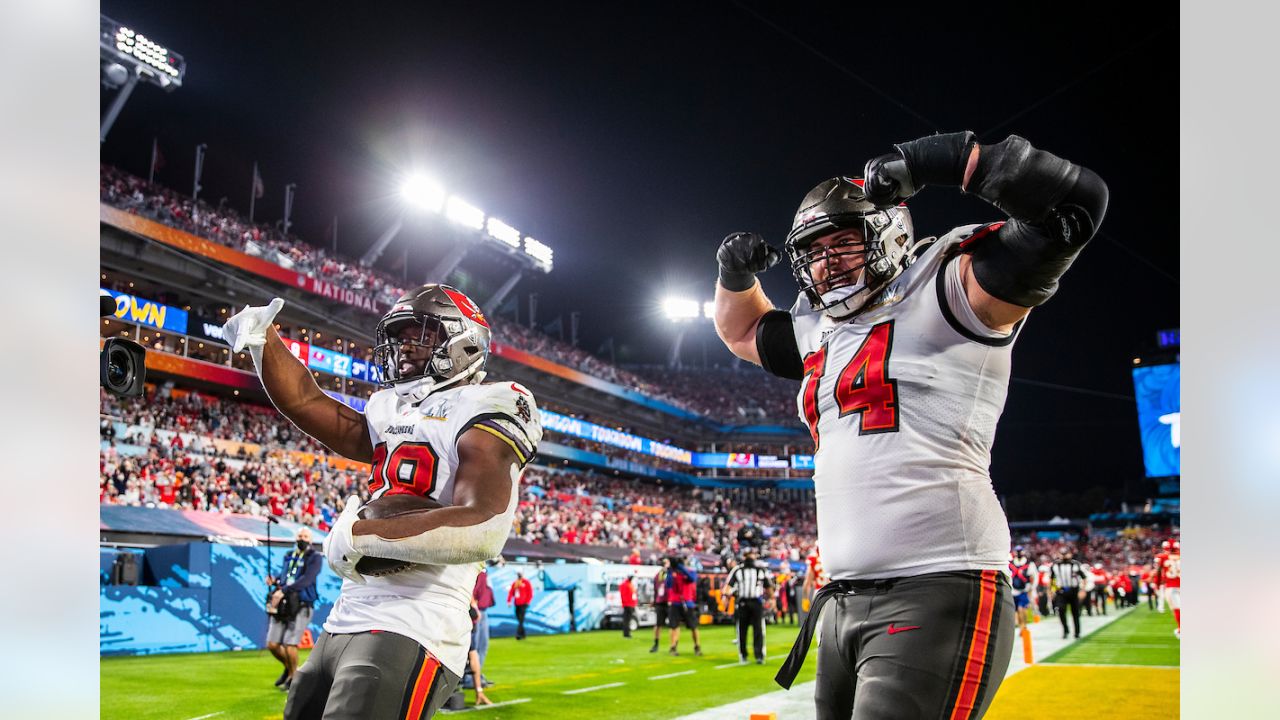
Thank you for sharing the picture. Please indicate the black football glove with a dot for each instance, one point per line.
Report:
(930, 160)
(741, 256)
(887, 180)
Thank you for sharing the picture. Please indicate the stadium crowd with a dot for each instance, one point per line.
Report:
(726, 395)
(187, 450)
(585, 507)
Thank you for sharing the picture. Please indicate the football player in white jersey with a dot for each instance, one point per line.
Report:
(395, 645)
(903, 349)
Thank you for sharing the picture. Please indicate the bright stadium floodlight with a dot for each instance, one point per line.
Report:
(422, 192)
(464, 213)
(680, 308)
(499, 230)
(539, 252)
(709, 310)
(128, 57)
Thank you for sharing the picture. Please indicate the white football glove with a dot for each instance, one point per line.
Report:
(248, 328)
(338, 549)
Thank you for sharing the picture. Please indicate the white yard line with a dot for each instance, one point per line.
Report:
(487, 707)
(202, 717)
(732, 664)
(593, 688)
(664, 677)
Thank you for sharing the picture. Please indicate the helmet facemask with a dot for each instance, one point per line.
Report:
(885, 250)
(420, 353)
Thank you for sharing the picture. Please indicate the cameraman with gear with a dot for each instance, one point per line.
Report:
(293, 600)
(903, 347)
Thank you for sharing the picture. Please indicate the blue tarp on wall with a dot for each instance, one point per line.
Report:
(210, 597)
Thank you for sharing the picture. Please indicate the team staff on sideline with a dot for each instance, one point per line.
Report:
(628, 592)
(296, 591)
(1022, 579)
(749, 584)
(1070, 577)
(521, 593)
(395, 645)
(903, 350)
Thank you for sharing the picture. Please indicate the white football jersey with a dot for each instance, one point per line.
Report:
(416, 450)
(902, 402)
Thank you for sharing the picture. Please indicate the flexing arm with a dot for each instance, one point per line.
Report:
(292, 388)
(740, 301)
(1055, 207)
(473, 529)
(296, 395)
(737, 317)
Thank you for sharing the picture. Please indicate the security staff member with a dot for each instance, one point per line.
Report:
(302, 567)
(749, 582)
(1069, 575)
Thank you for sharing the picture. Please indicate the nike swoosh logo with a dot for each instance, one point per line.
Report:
(894, 631)
(513, 387)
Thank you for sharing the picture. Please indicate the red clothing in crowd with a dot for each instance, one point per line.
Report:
(628, 593)
(522, 591)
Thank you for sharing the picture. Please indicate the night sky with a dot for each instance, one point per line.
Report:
(632, 139)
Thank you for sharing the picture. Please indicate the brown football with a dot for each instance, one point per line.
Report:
(385, 507)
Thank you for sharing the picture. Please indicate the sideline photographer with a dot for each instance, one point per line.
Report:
(293, 601)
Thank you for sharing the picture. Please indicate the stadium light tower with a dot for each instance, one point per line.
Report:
(679, 309)
(127, 57)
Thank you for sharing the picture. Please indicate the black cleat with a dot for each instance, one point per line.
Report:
(654, 648)
(284, 676)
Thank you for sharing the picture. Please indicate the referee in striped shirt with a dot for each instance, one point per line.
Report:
(748, 583)
(1069, 575)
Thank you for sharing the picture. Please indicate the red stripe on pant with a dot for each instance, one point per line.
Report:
(422, 688)
(975, 665)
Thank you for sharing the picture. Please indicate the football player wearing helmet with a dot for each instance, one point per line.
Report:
(1169, 570)
(395, 645)
(903, 348)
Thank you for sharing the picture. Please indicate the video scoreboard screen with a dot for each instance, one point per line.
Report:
(1158, 390)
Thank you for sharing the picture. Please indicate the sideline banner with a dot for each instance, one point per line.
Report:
(221, 253)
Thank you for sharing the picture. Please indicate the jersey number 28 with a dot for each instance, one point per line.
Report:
(863, 386)
(410, 468)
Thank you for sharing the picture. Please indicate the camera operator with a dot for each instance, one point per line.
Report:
(294, 599)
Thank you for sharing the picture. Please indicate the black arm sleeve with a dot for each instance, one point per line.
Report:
(776, 345)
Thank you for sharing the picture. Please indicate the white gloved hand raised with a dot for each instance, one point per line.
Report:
(338, 547)
(248, 328)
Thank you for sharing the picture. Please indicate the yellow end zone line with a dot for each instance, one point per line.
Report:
(1107, 665)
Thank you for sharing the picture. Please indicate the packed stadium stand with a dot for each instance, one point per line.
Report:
(636, 463)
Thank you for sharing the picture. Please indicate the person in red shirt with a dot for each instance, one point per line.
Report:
(1170, 572)
(1159, 574)
(628, 591)
(1101, 581)
(522, 593)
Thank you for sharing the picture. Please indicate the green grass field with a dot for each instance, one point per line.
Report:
(1141, 637)
(541, 669)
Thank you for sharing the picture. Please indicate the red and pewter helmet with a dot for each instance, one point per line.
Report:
(444, 328)
(887, 247)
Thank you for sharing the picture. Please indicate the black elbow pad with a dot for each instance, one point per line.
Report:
(1022, 263)
(1028, 183)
